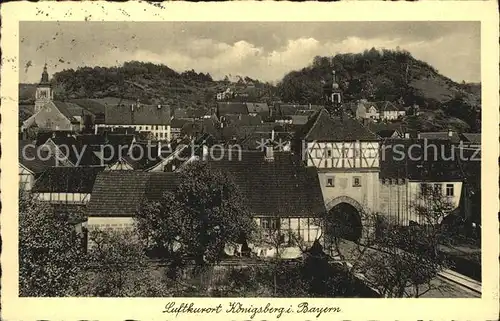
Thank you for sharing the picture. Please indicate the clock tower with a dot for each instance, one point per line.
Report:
(44, 93)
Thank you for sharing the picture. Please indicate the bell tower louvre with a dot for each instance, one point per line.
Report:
(44, 93)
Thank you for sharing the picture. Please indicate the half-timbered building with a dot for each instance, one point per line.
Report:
(345, 154)
(66, 187)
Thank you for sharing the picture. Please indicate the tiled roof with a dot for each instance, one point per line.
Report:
(283, 187)
(43, 136)
(324, 127)
(299, 119)
(117, 193)
(142, 115)
(77, 153)
(33, 159)
(67, 180)
(454, 138)
(259, 108)
(242, 120)
(386, 133)
(159, 182)
(399, 160)
(180, 113)
(178, 122)
(66, 110)
(224, 108)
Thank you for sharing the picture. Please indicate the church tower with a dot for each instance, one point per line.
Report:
(44, 93)
(333, 96)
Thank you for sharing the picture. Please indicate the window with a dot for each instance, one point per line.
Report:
(437, 189)
(140, 127)
(356, 181)
(424, 188)
(345, 152)
(329, 153)
(330, 181)
(270, 223)
(449, 189)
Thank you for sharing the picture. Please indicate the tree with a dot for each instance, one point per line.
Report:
(398, 261)
(197, 219)
(49, 250)
(119, 267)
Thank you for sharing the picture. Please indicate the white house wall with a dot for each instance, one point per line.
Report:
(397, 200)
(161, 132)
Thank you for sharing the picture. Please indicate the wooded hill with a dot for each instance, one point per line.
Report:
(392, 75)
(376, 75)
(151, 83)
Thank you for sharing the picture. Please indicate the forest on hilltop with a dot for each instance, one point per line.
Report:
(387, 75)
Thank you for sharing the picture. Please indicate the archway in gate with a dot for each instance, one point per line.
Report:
(344, 219)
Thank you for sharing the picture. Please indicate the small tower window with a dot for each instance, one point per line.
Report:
(336, 98)
(356, 181)
(330, 181)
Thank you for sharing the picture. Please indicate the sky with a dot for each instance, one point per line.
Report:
(261, 50)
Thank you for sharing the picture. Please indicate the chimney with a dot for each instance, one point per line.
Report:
(418, 135)
(450, 133)
(159, 149)
(159, 106)
(407, 135)
(272, 135)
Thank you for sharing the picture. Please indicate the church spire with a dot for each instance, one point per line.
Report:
(333, 97)
(45, 75)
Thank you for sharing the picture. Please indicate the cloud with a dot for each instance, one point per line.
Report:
(265, 55)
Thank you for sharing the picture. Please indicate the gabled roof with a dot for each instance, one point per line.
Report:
(224, 108)
(386, 133)
(33, 159)
(242, 120)
(117, 193)
(76, 152)
(66, 109)
(398, 159)
(323, 127)
(283, 187)
(133, 115)
(43, 136)
(178, 122)
(59, 179)
(454, 138)
(260, 108)
(180, 113)
(160, 182)
(299, 119)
